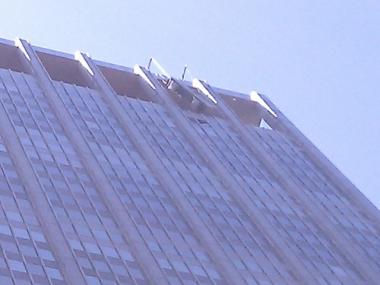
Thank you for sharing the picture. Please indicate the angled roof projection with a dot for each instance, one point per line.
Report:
(116, 175)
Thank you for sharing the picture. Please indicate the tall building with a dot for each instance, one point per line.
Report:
(112, 175)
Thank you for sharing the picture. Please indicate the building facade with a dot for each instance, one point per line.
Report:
(112, 175)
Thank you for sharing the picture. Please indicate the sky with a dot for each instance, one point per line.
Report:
(319, 61)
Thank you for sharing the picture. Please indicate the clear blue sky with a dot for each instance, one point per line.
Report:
(319, 61)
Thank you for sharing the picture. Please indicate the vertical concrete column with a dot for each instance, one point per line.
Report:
(199, 228)
(349, 249)
(106, 191)
(49, 224)
(290, 259)
(336, 177)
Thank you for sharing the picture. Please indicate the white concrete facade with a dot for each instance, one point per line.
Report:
(116, 175)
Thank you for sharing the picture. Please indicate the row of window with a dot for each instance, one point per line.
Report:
(317, 254)
(231, 228)
(167, 235)
(96, 242)
(305, 174)
(99, 247)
